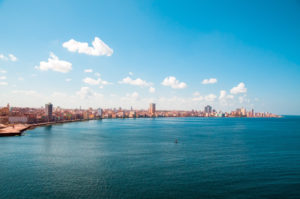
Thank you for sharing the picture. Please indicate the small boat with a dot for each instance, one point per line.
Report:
(176, 141)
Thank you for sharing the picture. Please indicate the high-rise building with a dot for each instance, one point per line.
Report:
(99, 112)
(48, 110)
(243, 112)
(207, 109)
(152, 108)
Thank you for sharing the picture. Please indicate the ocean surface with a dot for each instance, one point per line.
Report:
(138, 158)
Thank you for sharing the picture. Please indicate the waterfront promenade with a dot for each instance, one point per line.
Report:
(18, 129)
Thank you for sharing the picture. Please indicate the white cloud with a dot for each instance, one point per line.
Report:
(198, 98)
(94, 82)
(68, 79)
(20, 78)
(131, 97)
(88, 70)
(134, 95)
(229, 96)
(10, 57)
(240, 88)
(2, 57)
(99, 48)
(3, 83)
(210, 81)
(196, 93)
(86, 92)
(173, 83)
(55, 64)
(130, 73)
(98, 74)
(2, 71)
(222, 94)
(135, 82)
(152, 89)
(2, 77)
(210, 97)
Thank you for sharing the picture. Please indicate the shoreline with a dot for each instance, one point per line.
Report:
(18, 129)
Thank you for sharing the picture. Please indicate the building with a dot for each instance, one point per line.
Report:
(48, 111)
(243, 112)
(207, 109)
(99, 112)
(152, 109)
(17, 119)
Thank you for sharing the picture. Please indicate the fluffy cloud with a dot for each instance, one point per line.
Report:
(98, 48)
(173, 83)
(10, 57)
(2, 77)
(210, 81)
(198, 98)
(2, 71)
(3, 83)
(134, 95)
(88, 70)
(86, 92)
(196, 93)
(240, 88)
(152, 89)
(207, 98)
(68, 79)
(210, 97)
(131, 96)
(94, 82)
(55, 64)
(97, 74)
(223, 95)
(135, 82)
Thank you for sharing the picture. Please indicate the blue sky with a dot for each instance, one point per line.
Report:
(157, 51)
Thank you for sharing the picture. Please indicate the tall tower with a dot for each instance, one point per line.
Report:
(207, 109)
(152, 108)
(48, 110)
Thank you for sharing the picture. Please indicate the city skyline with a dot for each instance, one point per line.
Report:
(135, 53)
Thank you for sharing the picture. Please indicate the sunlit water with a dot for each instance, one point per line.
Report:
(138, 158)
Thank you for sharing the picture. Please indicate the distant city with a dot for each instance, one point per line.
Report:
(49, 113)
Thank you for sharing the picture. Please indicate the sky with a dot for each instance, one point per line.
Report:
(180, 55)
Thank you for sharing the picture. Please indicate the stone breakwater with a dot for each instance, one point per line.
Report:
(18, 129)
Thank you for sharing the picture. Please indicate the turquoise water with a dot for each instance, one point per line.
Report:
(138, 158)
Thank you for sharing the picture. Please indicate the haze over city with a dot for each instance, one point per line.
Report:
(131, 53)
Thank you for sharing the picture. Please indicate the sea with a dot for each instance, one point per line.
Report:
(155, 158)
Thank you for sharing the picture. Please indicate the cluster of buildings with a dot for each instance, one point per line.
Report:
(49, 113)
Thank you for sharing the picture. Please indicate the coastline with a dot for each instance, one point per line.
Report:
(18, 129)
